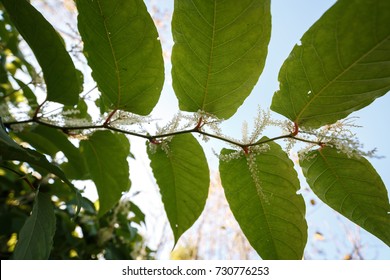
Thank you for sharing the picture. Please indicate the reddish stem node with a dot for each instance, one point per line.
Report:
(154, 141)
(107, 121)
(296, 130)
(199, 124)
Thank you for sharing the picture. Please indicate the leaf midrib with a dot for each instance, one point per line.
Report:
(331, 82)
(261, 201)
(171, 162)
(210, 58)
(118, 78)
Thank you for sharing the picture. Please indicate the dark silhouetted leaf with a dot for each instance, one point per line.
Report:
(9, 150)
(61, 78)
(36, 236)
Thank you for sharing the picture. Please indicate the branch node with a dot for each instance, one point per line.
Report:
(296, 130)
(107, 121)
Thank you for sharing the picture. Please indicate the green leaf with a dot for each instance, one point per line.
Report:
(262, 194)
(139, 216)
(182, 174)
(352, 187)
(50, 141)
(61, 78)
(219, 52)
(36, 236)
(9, 150)
(105, 155)
(28, 93)
(342, 64)
(122, 47)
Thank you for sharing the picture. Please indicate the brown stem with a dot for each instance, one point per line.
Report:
(107, 121)
(153, 138)
(35, 116)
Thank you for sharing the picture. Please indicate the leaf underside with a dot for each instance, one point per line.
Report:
(219, 52)
(122, 48)
(61, 77)
(105, 155)
(270, 213)
(352, 187)
(36, 236)
(342, 64)
(182, 175)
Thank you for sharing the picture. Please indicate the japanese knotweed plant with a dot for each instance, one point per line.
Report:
(341, 65)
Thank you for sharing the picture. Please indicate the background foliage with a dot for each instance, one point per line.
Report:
(341, 65)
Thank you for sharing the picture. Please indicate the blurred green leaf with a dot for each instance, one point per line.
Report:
(352, 187)
(139, 216)
(51, 141)
(341, 65)
(28, 93)
(219, 52)
(36, 236)
(182, 175)
(262, 195)
(9, 150)
(122, 47)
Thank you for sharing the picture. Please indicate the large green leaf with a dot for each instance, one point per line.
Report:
(182, 175)
(105, 155)
(350, 186)
(9, 150)
(60, 75)
(36, 236)
(122, 47)
(342, 64)
(219, 52)
(262, 194)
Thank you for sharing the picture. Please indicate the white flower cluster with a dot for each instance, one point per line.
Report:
(172, 126)
(254, 170)
(250, 156)
(123, 119)
(338, 135)
(70, 112)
